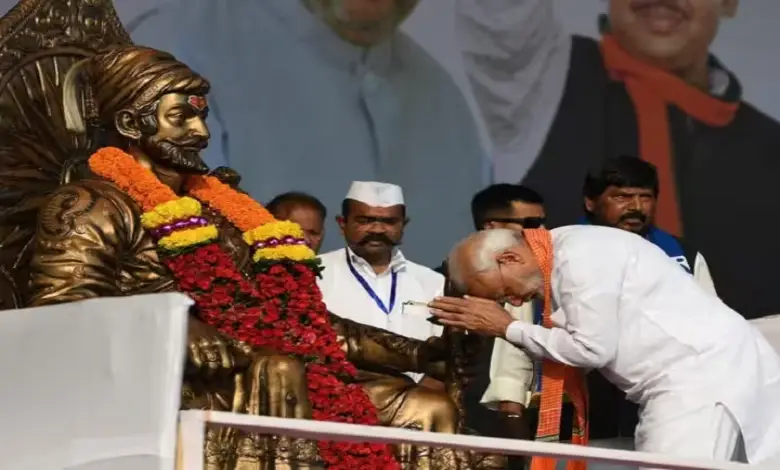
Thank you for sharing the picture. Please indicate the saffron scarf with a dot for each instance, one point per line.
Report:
(652, 90)
(556, 377)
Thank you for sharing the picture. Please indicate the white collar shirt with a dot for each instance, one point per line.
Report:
(346, 297)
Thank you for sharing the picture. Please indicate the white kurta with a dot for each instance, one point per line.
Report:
(701, 273)
(346, 297)
(626, 308)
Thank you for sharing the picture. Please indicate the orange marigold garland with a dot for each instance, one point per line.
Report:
(282, 309)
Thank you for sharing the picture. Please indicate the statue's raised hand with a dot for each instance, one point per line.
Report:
(210, 352)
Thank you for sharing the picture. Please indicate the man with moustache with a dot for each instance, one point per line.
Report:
(306, 211)
(317, 93)
(557, 105)
(624, 193)
(370, 280)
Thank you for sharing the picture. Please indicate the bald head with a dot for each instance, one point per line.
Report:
(496, 264)
(478, 253)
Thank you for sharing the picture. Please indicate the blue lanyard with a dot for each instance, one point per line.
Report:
(370, 291)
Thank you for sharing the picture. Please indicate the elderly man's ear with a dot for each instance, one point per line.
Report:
(730, 8)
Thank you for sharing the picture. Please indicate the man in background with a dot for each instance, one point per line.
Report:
(511, 206)
(504, 205)
(623, 193)
(556, 105)
(306, 211)
(314, 94)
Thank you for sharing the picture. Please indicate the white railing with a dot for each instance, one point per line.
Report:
(194, 423)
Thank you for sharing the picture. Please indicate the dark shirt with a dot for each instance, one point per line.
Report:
(725, 176)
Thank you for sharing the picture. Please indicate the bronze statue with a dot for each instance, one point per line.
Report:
(89, 240)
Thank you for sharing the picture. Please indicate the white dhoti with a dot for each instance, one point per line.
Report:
(709, 432)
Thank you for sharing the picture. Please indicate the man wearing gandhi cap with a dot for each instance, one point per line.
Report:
(369, 280)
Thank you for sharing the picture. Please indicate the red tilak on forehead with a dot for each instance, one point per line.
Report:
(197, 102)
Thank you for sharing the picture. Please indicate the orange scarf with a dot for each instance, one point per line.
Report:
(556, 377)
(652, 90)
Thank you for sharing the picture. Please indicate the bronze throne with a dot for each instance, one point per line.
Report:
(39, 42)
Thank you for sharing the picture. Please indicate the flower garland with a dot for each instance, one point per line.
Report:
(282, 309)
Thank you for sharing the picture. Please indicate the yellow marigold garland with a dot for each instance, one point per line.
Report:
(188, 237)
(171, 211)
(271, 239)
(277, 229)
(289, 242)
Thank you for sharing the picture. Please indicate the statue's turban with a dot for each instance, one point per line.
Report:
(129, 77)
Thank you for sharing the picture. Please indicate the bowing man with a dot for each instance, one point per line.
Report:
(369, 280)
(704, 378)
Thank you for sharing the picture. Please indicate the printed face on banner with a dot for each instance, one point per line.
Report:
(363, 22)
(671, 34)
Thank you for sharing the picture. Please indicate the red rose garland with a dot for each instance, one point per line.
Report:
(282, 309)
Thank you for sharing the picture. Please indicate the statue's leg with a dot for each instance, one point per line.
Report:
(215, 395)
(274, 386)
(402, 403)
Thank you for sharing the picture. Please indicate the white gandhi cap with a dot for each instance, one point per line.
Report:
(376, 194)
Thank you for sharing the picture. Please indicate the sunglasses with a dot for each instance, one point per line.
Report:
(525, 222)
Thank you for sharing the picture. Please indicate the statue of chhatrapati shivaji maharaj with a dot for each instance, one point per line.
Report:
(123, 205)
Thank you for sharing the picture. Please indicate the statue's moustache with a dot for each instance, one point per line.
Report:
(180, 154)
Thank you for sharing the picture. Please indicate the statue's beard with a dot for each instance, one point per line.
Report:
(182, 155)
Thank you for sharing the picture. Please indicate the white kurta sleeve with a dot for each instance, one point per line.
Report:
(516, 56)
(701, 273)
(511, 370)
(589, 290)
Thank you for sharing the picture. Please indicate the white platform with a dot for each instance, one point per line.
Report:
(92, 385)
(194, 422)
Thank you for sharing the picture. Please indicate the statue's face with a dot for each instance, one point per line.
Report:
(363, 22)
(175, 133)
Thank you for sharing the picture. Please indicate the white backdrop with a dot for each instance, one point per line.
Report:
(746, 44)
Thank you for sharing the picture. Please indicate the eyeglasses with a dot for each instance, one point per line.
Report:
(525, 222)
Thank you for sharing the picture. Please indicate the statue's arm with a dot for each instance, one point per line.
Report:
(78, 246)
(378, 350)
